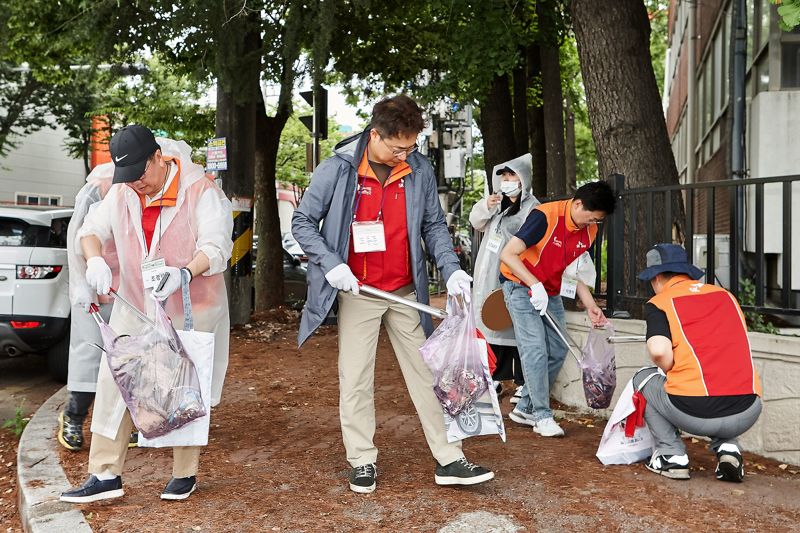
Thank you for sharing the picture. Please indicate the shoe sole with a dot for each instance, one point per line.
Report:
(116, 493)
(550, 435)
(520, 419)
(362, 490)
(178, 496)
(671, 474)
(60, 436)
(452, 480)
(728, 471)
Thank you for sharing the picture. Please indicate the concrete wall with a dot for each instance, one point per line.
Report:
(777, 432)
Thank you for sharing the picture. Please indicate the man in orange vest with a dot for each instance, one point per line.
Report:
(554, 235)
(707, 384)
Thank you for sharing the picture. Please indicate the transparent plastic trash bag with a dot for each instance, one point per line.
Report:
(453, 353)
(598, 368)
(155, 376)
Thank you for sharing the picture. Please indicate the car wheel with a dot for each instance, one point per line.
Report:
(58, 360)
(469, 420)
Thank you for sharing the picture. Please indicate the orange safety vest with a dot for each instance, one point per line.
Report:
(709, 341)
(563, 242)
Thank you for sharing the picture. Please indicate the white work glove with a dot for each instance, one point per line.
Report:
(82, 296)
(98, 274)
(172, 284)
(340, 277)
(539, 298)
(459, 284)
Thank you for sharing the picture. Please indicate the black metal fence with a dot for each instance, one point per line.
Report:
(745, 215)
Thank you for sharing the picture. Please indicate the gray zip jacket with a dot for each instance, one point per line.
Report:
(321, 225)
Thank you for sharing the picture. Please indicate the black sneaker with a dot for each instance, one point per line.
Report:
(362, 478)
(730, 464)
(671, 466)
(94, 490)
(179, 488)
(133, 442)
(70, 432)
(461, 472)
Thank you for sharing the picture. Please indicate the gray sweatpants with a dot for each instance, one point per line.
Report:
(664, 419)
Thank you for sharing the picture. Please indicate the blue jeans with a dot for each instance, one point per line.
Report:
(541, 351)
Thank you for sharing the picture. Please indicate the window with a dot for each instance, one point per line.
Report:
(763, 31)
(24, 198)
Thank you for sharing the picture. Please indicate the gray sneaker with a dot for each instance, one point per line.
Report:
(461, 472)
(362, 478)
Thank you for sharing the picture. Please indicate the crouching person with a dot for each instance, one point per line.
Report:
(696, 335)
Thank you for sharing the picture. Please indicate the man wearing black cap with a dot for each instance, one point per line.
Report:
(165, 218)
(707, 384)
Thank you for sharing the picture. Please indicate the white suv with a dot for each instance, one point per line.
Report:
(34, 284)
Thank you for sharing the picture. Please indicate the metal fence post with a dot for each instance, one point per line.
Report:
(615, 269)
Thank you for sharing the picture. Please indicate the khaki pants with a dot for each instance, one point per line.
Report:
(359, 321)
(105, 453)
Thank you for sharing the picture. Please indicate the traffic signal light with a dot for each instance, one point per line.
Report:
(320, 110)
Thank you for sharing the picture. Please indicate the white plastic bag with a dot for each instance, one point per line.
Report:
(482, 417)
(199, 346)
(617, 449)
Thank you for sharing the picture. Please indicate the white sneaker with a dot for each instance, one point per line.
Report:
(548, 427)
(517, 396)
(521, 418)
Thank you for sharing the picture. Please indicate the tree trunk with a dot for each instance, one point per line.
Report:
(571, 157)
(236, 113)
(553, 118)
(627, 120)
(269, 259)
(520, 109)
(497, 125)
(536, 140)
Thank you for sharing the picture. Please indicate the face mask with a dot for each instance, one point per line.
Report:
(511, 188)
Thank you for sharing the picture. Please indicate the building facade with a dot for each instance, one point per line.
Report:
(697, 97)
(39, 171)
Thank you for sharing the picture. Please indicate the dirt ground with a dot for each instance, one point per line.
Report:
(276, 463)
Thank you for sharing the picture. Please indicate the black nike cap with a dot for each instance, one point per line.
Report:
(130, 148)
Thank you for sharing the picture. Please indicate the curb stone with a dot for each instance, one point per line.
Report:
(40, 477)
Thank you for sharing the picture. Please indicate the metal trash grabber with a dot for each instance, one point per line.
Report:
(619, 339)
(133, 308)
(434, 311)
(562, 334)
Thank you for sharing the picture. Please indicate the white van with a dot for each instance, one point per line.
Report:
(34, 284)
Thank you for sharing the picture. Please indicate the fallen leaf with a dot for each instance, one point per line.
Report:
(694, 440)
(737, 492)
(783, 467)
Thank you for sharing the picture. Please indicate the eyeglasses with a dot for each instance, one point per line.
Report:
(145, 170)
(397, 152)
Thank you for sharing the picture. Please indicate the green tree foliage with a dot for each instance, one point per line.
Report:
(291, 163)
(789, 12)
(658, 12)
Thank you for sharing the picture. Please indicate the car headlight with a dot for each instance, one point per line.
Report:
(38, 271)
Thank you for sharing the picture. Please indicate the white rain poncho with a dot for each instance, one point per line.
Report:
(491, 222)
(201, 220)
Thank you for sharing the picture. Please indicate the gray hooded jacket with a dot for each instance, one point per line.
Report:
(321, 225)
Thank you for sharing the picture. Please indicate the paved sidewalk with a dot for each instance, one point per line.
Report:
(275, 462)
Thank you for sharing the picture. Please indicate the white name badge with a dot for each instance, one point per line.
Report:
(368, 237)
(152, 272)
(569, 287)
(494, 243)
